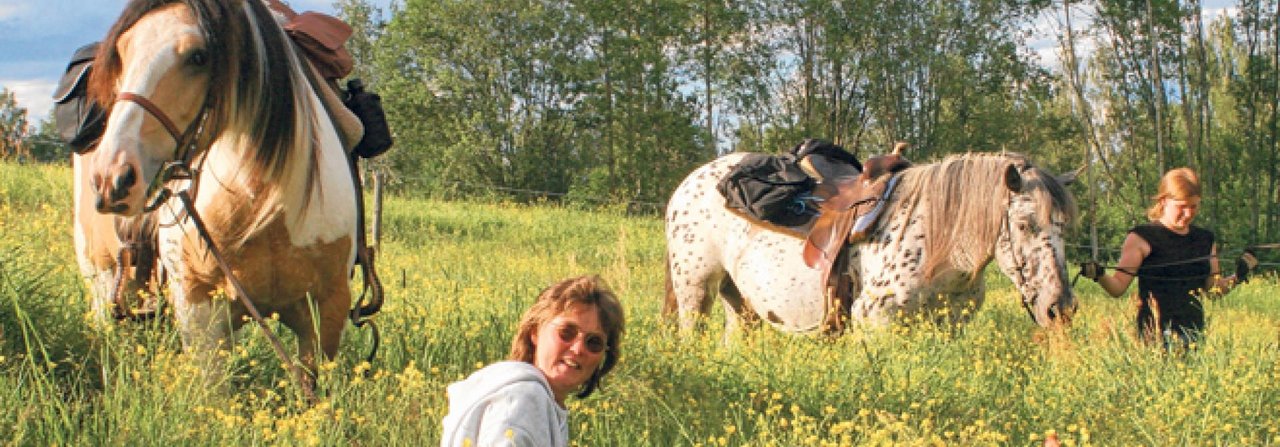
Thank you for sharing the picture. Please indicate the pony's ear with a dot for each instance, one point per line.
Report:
(1068, 178)
(1012, 179)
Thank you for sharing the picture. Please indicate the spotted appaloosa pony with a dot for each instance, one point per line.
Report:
(943, 224)
(217, 84)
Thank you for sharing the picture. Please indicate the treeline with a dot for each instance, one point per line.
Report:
(614, 101)
(619, 99)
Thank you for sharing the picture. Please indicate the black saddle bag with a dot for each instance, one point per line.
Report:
(367, 106)
(79, 120)
(770, 188)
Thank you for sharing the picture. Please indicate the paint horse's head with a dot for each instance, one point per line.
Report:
(176, 75)
(1030, 248)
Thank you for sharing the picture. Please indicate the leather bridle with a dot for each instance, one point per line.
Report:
(178, 167)
(1019, 265)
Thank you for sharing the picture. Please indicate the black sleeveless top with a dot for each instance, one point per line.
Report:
(1163, 274)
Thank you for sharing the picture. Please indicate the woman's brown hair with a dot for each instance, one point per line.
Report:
(556, 300)
(1177, 184)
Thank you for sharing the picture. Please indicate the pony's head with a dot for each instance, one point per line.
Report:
(1030, 248)
(977, 206)
(178, 75)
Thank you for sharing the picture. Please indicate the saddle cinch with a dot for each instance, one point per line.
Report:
(820, 193)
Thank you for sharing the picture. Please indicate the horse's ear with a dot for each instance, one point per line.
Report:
(1012, 179)
(1070, 177)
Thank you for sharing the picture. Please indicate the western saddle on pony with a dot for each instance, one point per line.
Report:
(818, 192)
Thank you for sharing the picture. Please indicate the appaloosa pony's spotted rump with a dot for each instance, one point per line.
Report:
(942, 225)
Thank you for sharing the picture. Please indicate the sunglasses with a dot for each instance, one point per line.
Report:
(595, 343)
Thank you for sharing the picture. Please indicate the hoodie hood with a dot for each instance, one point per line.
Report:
(507, 402)
(487, 381)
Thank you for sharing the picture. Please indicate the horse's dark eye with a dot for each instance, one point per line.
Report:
(198, 58)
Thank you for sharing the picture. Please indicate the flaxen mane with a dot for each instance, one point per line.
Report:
(256, 92)
(965, 202)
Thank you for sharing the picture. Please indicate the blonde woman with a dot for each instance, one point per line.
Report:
(1174, 261)
(565, 344)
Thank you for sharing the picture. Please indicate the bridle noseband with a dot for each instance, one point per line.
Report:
(179, 167)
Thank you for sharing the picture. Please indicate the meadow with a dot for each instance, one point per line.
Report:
(458, 275)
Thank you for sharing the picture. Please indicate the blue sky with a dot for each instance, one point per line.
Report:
(37, 38)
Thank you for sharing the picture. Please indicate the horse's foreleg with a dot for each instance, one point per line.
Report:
(101, 283)
(205, 325)
(322, 338)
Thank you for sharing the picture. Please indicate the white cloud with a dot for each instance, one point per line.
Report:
(11, 9)
(36, 95)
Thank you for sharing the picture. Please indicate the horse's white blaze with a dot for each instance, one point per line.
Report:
(156, 46)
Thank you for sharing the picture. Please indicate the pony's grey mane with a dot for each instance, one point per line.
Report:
(965, 202)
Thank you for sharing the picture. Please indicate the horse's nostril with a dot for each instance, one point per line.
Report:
(128, 179)
(123, 182)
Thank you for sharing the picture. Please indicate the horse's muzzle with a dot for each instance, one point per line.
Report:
(1061, 313)
(114, 189)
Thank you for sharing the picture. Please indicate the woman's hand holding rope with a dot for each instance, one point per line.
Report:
(1244, 264)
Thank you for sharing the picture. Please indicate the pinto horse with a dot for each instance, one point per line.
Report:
(211, 99)
(941, 226)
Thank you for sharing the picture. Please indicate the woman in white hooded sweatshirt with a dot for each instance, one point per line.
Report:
(565, 344)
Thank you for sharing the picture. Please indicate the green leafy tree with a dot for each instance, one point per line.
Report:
(13, 127)
(45, 144)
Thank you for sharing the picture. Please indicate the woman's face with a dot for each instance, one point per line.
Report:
(1178, 214)
(569, 348)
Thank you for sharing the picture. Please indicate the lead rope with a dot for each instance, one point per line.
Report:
(294, 369)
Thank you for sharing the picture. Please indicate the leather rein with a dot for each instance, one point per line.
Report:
(179, 168)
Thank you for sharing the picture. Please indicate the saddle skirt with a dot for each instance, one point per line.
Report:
(849, 209)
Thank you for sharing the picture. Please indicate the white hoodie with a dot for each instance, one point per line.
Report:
(504, 404)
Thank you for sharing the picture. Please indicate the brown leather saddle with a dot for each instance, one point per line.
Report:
(844, 198)
(849, 205)
(849, 197)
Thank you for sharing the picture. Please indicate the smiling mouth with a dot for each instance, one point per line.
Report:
(571, 364)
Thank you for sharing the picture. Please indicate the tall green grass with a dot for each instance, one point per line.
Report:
(459, 274)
